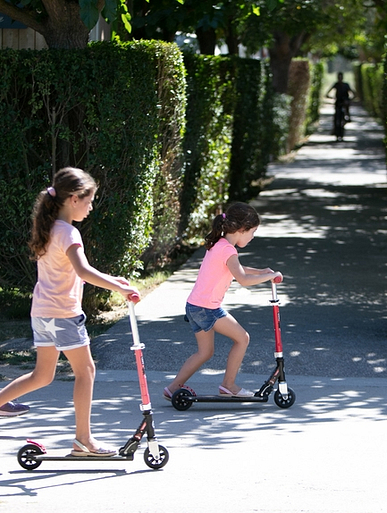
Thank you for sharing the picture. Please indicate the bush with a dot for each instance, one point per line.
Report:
(207, 142)
(248, 155)
(372, 76)
(100, 109)
(228, 140)
(312, 114)
(169, 139)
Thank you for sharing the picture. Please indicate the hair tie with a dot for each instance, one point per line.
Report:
(51, 192)
(224, 215)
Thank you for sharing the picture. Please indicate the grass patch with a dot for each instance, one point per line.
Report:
(17, 357)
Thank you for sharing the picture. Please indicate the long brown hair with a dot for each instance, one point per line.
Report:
(238, 216)
(67, 182)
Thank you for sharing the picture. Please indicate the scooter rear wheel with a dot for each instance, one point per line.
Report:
(284, 401)
(26, 454)
(181, 399)
(154, 463)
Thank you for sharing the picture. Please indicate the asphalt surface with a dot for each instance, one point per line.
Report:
(324, 225)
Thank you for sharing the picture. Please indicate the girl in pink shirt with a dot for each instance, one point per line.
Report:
(57, 319)
(220, 265)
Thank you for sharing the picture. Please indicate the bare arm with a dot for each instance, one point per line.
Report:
(91, 275)
(327, 94)
(253, 270)
(248, 276)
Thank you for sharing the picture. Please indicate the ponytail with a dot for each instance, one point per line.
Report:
(67, 182)
(239, 216)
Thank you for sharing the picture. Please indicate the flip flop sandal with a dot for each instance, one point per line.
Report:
(167, 394)
(101, 451)
(223, 391)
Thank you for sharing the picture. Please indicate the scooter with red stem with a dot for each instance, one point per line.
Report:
(156, 456)
(284, 397)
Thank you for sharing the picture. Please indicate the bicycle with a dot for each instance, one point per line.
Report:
(339, 120)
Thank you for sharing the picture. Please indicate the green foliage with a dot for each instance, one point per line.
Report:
(14, 304)
(168, 181)
(312, 115)
(207, 142)
(371, 88)
(169, 140)
(280, 123)
(275, 119)
(248, 158)
(98, 109)
(384, 111)
(230, 135)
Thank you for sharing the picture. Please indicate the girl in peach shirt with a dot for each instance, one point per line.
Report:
(57, 319)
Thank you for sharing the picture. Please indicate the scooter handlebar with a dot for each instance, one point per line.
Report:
(134, 298)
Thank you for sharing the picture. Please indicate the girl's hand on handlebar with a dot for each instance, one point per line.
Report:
(135, 298)
(130, 293)
(278, 278)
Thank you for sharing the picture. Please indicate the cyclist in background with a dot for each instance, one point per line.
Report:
(342, 94)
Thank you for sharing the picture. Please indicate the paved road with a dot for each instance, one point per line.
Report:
(324, 226)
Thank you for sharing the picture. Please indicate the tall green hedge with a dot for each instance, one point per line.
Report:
(369, 87)
(170, 139)
(207, 141)
(314, 102)
(248, 160)
(100, 109)
(229, 135)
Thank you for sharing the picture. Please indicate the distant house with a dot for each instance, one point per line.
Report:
(14, 34)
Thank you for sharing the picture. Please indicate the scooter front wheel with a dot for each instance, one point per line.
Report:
(284, 401)
(156, 463)
(26, 454)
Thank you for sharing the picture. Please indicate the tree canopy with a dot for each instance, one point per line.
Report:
(288, 28)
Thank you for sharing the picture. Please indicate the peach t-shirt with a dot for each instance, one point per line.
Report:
(214, 277)
(58, 291)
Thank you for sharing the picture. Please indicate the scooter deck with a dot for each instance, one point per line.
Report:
(226, 399)
(69, 457)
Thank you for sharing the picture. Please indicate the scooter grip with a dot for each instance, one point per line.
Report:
(135, 298)
(278, 279)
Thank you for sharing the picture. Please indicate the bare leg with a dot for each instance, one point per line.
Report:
(205, 340)
(41, 376)
(229, 327)
(84, 370)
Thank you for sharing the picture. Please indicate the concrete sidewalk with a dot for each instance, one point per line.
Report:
(324, 226)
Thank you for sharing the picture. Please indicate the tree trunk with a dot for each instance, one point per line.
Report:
(206, 40)
(232, 40)
(64, 27)
(60, 24)
(282, 51)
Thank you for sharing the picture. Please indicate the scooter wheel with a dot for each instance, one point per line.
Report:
(156, 463)
(26, 454)
(182, 399)
(284, 401)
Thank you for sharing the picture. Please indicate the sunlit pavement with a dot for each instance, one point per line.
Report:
(324, 226)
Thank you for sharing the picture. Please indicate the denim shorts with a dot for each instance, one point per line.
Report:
(201, 318)
(64, 334)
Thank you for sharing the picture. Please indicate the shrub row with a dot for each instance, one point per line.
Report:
(169, 138)
(115, 111)
(369, 86)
